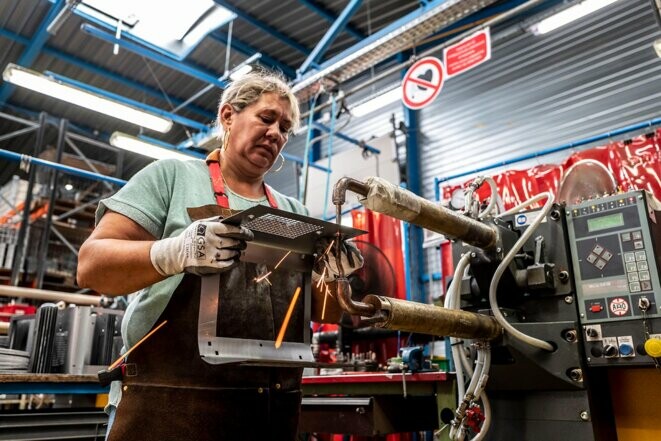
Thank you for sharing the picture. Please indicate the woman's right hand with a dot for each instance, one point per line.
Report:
(205, 247)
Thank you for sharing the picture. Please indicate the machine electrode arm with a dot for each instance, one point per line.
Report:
(383, 197)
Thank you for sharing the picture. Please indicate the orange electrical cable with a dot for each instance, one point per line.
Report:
(285, 323)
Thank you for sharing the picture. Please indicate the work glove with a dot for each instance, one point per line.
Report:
(205, 247)
(326, 262)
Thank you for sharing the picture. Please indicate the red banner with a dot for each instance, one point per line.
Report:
(635, 164)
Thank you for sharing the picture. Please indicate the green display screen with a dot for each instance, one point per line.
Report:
(605, 222)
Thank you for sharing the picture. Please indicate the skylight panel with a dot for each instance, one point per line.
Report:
(174, 27)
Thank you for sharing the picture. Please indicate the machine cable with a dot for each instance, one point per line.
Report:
(479, 376)
(493, 288)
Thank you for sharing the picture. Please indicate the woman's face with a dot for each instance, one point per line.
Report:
(257, 134)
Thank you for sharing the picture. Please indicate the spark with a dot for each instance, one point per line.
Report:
(281, 260)
(321, 279)
(323, 309)
(265, 277)
(330, 245)
(119, 360)
(285, 323)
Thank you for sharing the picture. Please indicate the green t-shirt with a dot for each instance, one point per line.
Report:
(157, 198)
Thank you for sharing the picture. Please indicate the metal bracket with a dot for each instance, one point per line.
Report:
(272, 229)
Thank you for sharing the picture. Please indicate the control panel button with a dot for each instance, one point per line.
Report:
(646, 285)
(626, 351)
(638, 244)
(606, 255)
(592, 258)
(595, 309)
(642, 265)
(644, 275)
(634, 287)
(640, 255)
(633, 277)
(625, 346)
(631, 267)
(596, 351)
(600, 264)
(597, 249)
(629, 257)
(626, 237)
(644, 303)
(610, 351)
(636, 235)
(653, 347)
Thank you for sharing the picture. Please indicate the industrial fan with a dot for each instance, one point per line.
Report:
(377, 276)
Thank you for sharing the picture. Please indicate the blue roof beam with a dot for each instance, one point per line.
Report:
(246, 49)
(32, 50)
(346, 138)
(124, 100)
(388, 33)
(264, 27)
(179, 66)
(75, 61)
(336, 28)
(331, 17)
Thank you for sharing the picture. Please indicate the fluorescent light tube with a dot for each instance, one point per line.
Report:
(568, 15)
(40, 83)
(377, 102)
(141, 147)
(241, 71)
(657, 47)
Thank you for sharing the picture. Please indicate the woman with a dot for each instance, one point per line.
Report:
(156, 235)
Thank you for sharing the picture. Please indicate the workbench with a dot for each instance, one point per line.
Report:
(28, 383)
(79, 418)
(374, 404)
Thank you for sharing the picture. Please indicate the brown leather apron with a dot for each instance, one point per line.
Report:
(171, 393)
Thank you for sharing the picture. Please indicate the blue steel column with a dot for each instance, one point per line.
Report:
(52, 187)
(19, 253)
(413, 183)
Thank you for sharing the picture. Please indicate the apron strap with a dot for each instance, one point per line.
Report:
(218, 184)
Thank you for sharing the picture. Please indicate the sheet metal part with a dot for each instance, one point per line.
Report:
(402, 315)
(221, 350)
(274, 230)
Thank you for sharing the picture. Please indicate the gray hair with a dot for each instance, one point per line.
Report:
(249, 88)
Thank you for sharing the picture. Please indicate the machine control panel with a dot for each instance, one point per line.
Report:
(613, 247)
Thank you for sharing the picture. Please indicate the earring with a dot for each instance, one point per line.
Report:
(226, 139)
(282, 164)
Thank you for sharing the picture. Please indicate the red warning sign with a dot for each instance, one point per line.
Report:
(619, 306)
(468, 53)
(422, 83)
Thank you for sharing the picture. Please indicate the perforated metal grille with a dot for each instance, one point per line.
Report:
(281, 226)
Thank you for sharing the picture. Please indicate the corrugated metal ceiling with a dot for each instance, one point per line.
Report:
(77, 55)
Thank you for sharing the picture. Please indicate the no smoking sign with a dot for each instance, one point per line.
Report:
(422, 83)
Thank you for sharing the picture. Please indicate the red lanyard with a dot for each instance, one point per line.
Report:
(219, 187)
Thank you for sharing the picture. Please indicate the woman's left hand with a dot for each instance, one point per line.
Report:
(326, 259)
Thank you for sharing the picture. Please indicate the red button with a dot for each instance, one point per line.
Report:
(596, 308)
